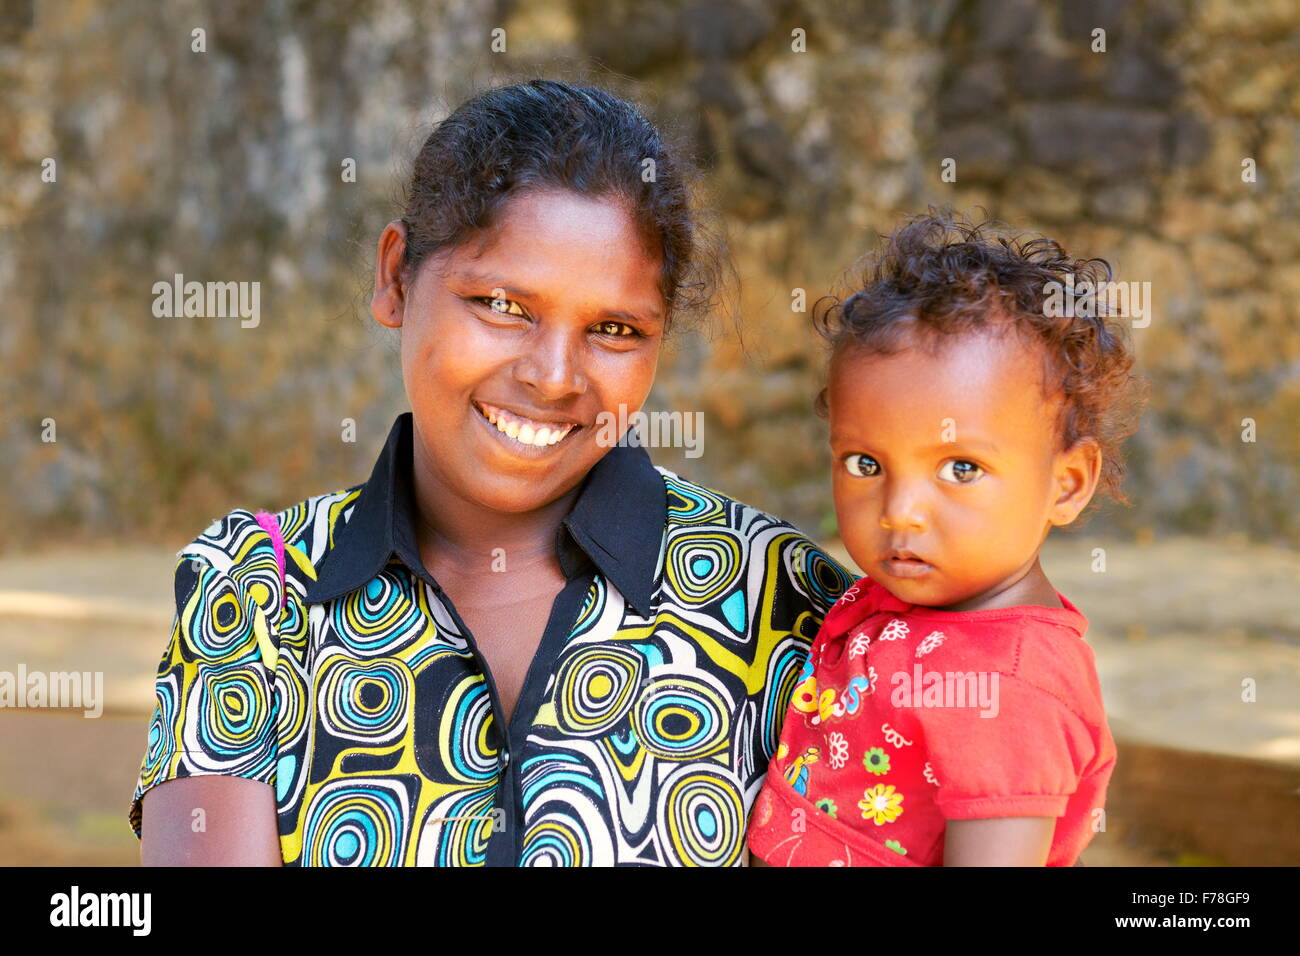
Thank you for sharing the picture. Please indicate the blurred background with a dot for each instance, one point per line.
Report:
(128, 155)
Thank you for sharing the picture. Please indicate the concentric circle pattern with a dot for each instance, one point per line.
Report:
(682, 718)
(702, 565)
(640, 733)
(357, 823)
(595, 688)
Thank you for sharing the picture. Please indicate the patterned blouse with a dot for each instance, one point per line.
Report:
(643, 728)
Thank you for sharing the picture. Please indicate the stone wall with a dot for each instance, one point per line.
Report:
(225, 165)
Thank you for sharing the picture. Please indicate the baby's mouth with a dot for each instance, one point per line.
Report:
(906, 564)
(526, 431)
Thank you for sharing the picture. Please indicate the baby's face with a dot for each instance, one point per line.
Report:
(946, 466)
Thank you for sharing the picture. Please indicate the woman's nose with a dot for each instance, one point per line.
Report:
(552, 367)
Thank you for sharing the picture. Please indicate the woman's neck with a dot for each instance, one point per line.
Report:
(453, 533)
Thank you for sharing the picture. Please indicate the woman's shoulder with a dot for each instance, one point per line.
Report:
(239, 545)
(697, 512)
(693, 503)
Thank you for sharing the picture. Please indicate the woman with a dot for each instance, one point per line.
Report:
(514, 644)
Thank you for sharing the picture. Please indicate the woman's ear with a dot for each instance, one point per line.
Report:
(388, 303)
(1077, 472)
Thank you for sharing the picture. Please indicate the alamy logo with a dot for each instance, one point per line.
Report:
(208, 300)
(946, 689)
(652, 430)
(1125, 300)
(102, 909)
(83, 689)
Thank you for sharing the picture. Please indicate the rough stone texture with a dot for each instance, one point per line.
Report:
(225, 165)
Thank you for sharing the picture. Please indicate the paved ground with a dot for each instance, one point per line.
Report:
(1177, 626)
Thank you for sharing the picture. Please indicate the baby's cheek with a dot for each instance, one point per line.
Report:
(989, 542)
(1021, 510)
(856, 524)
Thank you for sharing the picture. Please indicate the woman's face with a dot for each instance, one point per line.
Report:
(515, 343)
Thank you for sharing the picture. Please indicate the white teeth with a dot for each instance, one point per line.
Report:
(525, 432)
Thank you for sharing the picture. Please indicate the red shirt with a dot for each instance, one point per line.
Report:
(906, 717)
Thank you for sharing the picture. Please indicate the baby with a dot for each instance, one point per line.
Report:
(949, 712)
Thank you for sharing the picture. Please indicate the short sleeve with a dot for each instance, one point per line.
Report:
(1024, 759)
(215, 686)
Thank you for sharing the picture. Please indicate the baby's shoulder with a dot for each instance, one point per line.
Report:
(1041, 648)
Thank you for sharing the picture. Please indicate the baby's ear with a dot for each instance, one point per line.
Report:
(1077, 471)
(821, 405)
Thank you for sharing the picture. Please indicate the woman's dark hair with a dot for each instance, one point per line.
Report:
(939, 275)
(549, 134)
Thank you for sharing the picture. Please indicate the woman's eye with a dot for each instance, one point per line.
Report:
(960, 472)
(862, 466)
(502, 306)
(612, 328)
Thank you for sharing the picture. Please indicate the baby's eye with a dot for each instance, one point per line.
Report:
(960, 471)
(862, 466)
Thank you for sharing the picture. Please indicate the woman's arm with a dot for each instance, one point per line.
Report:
(1006, 841)
(237, 827)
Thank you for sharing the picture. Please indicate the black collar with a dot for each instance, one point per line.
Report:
(617, 524)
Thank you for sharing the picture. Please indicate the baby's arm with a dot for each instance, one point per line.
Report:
(1003, 841)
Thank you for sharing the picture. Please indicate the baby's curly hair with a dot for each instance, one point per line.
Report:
(940, 274)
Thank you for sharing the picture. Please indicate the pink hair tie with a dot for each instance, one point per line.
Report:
(272, 527)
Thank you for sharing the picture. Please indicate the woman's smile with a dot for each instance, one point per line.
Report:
(522, 434)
